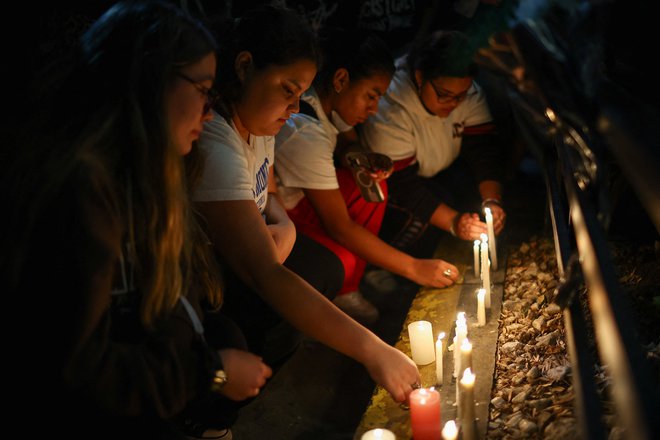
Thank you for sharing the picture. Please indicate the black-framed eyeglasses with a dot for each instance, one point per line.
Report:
(446, 98)
(211, 95)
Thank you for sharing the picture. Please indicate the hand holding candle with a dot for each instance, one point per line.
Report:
(425, 414)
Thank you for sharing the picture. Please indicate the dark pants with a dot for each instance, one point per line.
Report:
(267, 333)
(413, 199)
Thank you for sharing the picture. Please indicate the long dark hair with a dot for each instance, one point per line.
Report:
(361, 54)
(273, 35)
(106, 120)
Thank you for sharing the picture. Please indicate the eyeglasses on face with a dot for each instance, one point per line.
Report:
(445, 98)
(211, 95)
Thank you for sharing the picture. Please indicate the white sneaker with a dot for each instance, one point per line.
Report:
(381, 280)
(356, 306)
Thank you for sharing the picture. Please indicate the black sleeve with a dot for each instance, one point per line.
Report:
(481, 149)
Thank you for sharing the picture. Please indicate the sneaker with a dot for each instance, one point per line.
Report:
(356, 306)
(221, 434)
(381, 280)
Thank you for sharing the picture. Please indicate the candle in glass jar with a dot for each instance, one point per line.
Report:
(491, 237)
(425, 414)
(475, 251)
(421, 342)
(378, 434)
(438, 358)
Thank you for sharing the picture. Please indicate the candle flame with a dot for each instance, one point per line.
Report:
(450, 431)
(476, 244)
(468, 377)
(484, 237)
(487, 211)
(441, 336)
(466, 345)
(481, 293)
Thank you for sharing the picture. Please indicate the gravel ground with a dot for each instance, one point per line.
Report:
(532, 393)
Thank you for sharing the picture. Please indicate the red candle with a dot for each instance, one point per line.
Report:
(425, 414)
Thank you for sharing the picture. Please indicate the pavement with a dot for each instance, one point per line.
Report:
(321, 394)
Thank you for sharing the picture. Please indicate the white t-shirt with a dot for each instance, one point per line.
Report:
(234, 169)
(403, 128)
(304, 147)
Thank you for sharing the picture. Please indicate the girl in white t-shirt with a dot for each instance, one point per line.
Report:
(270, 60)
(433, 114)
(325, 202)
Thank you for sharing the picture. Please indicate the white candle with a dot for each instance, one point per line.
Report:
(450, 431)
(461, 333)
(438, 358)
(475, 250)
(378, 434)
(467, 405)
(466, 355)
(481, 308)
(421, 342)
(485, 268)
(456, 359)
(464, 351)
(491, 237)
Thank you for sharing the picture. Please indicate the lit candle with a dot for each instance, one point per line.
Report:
(450, 431)
(421, 342)
(461, 333)
(467, 405)
(466, 355)
(438, 358)
(481, 308)
(485, 268)
(378, 434)
(475, 250)
(464, 361)
(491, 237)
(425, 414)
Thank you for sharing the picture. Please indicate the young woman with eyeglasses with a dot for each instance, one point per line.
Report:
(324, 201)
(435, 124)
(268, 61)
(101, 253)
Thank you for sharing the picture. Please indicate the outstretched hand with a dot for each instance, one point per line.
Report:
(434, 273)
(393, 370)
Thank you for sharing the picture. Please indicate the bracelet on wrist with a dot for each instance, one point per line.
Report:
(488, 201)
(454, 224)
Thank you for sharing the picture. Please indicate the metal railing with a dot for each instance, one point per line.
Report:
(573, 121)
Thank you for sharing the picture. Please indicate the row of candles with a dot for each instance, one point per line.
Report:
(425, 417)
(425, 402)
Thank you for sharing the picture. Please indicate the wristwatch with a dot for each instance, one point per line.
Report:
(219, 381)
